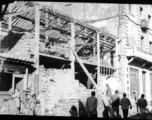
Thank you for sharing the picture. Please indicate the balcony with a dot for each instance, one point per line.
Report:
(134, 52)
(144, 25)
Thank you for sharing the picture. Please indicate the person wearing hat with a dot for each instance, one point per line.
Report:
(46, 112)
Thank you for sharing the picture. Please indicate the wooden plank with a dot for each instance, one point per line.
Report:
(37, 33)
(107, 43)
(98, 58)
(10, 18)
(20, 12)
(73, 47)
(85, 70)
(25, 79)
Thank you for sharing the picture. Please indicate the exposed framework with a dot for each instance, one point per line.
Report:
(56, 27)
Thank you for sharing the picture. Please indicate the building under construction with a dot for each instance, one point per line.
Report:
(61, 59)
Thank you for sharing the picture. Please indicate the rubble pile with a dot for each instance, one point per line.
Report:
(60, 49)
(58, 91)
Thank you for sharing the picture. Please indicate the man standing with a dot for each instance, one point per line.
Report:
(142, 103)
(135, 100)
(108, 92)
(91, 105)
(115, 101)
(125, 103)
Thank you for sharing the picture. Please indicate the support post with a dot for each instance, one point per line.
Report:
(37, 34)
(98, 57)
(85, 70)
(116, 57)
(10, 18)
(25, 79)
(73, 47)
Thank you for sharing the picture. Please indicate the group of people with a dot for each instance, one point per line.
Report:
(21, 104)
(124, 102)
(111, 104)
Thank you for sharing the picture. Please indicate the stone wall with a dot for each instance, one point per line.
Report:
(58, 91)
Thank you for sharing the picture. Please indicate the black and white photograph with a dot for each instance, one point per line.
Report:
(76, 59)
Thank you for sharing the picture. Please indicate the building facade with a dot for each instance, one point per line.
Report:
(133, 26)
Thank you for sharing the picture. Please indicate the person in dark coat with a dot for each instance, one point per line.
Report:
(73, 111)
(125, 103)
(115, 102)
(91, 105)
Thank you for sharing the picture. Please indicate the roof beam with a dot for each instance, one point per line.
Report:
(109, 44)
(20, 12)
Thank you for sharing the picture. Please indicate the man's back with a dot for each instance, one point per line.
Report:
(91, 104)
(115, 100)
(142, 102)
(125, 102)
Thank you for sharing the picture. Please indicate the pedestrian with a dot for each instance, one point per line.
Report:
(46, 112)
(4, 108)
(33, 104)
(16, 98)
(38, 107)
(115, 102)
(73, 111)
(11, 107)
(108, 92)
(23, 99)
(142, 103)
(26, 108)
(135, 100)
(91, 105)
(125, 103)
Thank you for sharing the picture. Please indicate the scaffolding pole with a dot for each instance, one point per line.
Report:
(37, 33)
(10, 18)
(85, 70)
(98, 57)
(37, 38)
(73, 47)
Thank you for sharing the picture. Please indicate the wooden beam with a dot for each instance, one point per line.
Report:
(37, 33)
(85, 70)
(20, 12)
(10, 18)
(116, 57)
(98, 58)
(107, 43)
(73, 47)
(25, 79)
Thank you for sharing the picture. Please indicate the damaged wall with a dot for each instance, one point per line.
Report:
(18, 44)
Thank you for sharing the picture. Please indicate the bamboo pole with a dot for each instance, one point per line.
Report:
(116, 58)
(73, 47)
(98, 57)
(85, 70)
(37, 33)
(10, 18)
(25, 79)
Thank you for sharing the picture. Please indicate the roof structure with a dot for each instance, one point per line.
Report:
(54, 24)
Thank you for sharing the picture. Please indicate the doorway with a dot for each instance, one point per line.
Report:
(18, 82)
